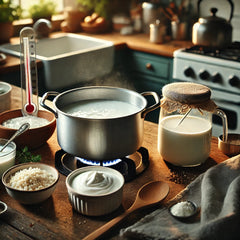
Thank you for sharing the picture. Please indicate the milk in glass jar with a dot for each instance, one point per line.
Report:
(185, 123)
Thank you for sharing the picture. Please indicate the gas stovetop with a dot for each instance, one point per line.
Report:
(130, 166)
(230, 53)
(216, 68)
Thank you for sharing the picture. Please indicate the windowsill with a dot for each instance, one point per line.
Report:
(28, 22)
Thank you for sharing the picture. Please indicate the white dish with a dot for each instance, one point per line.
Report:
(3, 207)
(183, 209)
(91, 201)
(7, 156)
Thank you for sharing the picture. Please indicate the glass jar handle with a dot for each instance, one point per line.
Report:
(223, 116)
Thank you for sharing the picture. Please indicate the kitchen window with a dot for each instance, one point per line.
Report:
(25, 5)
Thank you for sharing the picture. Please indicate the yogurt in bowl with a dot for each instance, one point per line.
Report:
(95, 190)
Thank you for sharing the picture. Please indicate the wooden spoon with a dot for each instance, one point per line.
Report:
(149, 194)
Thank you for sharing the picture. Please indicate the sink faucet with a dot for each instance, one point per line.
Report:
(42, 28)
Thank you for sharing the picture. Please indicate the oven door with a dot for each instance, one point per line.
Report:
(230, 104)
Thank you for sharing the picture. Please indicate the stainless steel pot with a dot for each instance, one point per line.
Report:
(213, 31)
(100, 139)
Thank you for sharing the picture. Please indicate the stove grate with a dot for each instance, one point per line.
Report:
(130, 166)
(230, 53)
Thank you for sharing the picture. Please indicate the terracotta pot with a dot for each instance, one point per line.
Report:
(33, 137)
(73, 18)
(6, 32)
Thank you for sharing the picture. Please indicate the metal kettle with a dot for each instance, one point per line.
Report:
(213, 31)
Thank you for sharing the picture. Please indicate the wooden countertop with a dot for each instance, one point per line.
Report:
(55, 218)
(138, 42)
(13, 65)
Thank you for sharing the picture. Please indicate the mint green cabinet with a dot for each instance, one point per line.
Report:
(151, 65)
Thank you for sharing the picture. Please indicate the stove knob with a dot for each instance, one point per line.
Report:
(234, 81)
(204, 75)
(216, 78)
(188, 72)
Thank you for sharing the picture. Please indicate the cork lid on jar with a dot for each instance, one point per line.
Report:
(185, 95)
(186, 92)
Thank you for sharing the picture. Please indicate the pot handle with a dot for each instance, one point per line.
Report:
(152, 107)
(44, 98)
(231, 13)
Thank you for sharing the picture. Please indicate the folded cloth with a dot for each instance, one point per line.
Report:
(216, 192)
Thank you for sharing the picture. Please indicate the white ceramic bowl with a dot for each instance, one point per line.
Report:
(95, 204)
(3, 207)
(7, 156)
(25, 196)
(5, 96)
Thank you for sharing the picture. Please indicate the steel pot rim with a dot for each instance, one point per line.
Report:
(143, 109)
(99, 87)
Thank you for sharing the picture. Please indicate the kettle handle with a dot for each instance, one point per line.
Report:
(231, 13)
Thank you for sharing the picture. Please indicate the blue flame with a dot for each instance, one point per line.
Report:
(105, 163)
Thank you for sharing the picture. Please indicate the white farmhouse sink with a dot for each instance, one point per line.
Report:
(70, 59)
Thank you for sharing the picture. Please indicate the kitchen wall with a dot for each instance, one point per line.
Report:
(116, 5)
(223, 7)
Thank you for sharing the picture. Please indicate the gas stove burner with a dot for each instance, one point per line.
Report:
(109, 163)
(130, 166)
(231, 52)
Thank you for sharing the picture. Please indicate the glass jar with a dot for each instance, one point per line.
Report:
(185, 123)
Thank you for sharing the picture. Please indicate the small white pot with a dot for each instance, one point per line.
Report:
(95, 204)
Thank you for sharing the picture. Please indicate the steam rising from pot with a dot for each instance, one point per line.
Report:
(115, 78)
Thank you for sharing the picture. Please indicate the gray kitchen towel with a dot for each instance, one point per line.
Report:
(217, 193)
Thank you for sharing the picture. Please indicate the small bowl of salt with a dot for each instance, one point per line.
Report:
(183, 209)
(41, 128)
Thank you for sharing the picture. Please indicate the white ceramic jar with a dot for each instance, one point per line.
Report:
(95, 190)
(186, 142)
(7, 156)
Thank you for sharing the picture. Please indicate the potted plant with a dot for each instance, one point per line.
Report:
(9, 13)
(44, 9)
(101, 7)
